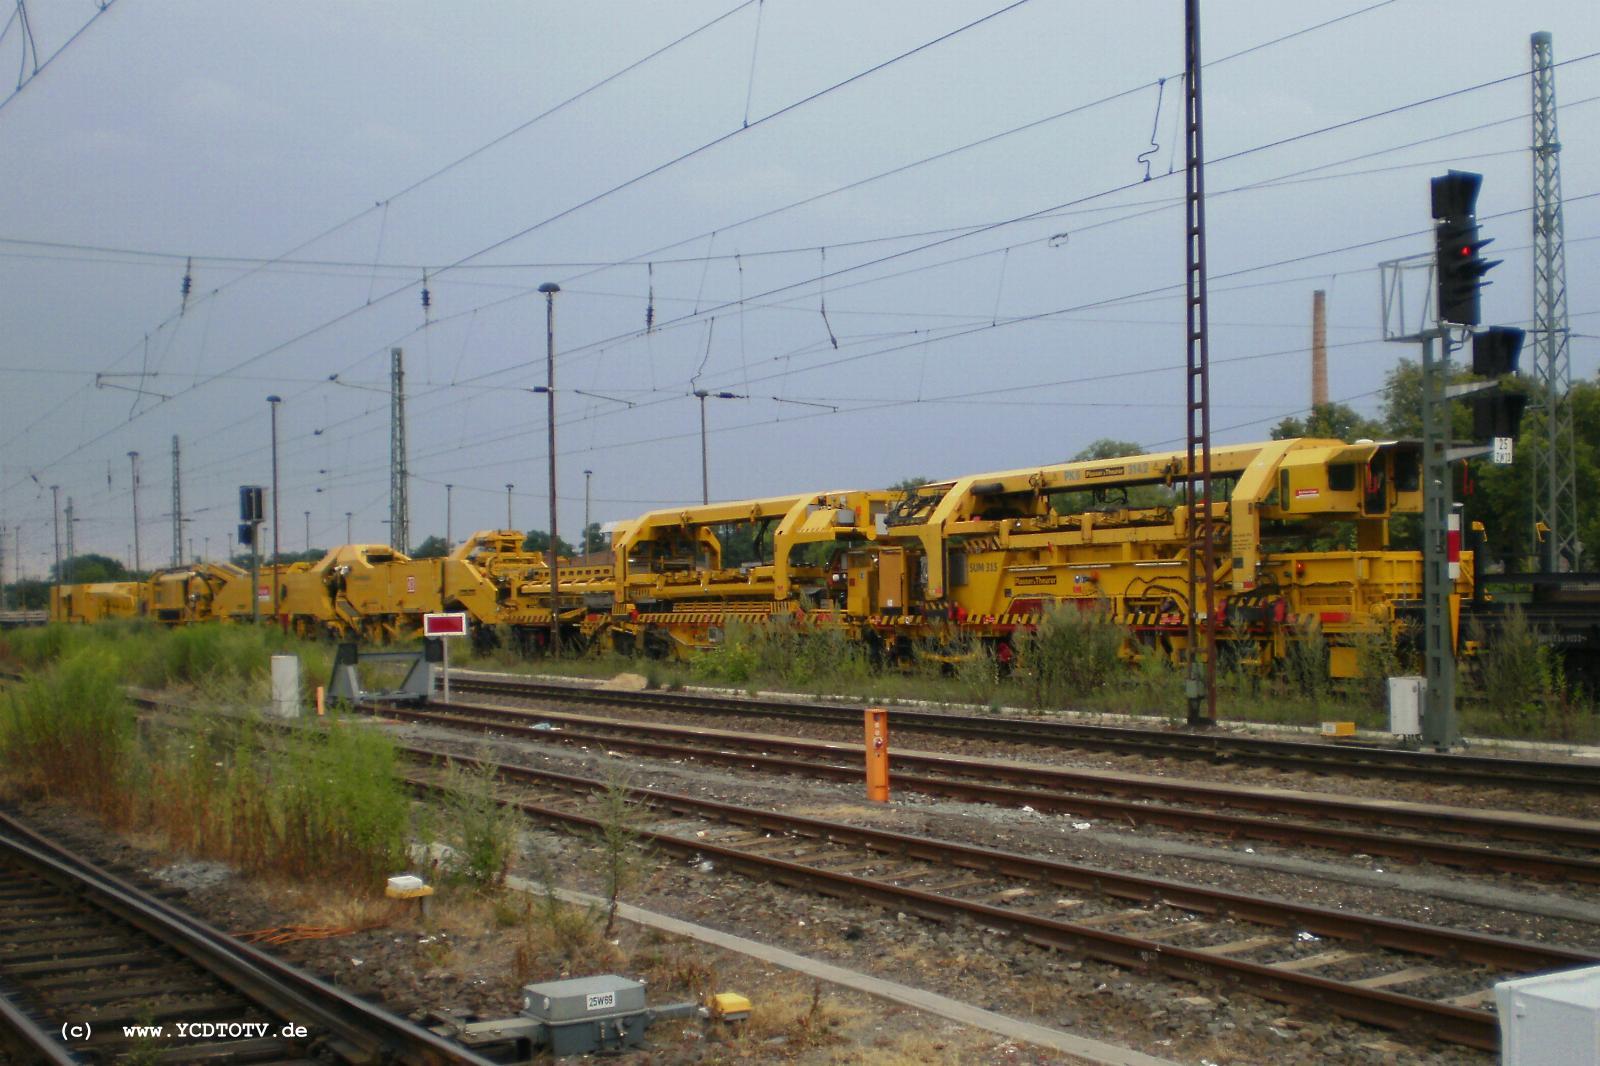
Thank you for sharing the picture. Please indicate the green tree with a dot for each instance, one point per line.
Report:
(1077, 501)
(593, 539)
(1108, 448)
(908, 485)
(1332, 420)
(1501, 497)
(538, 540)
(85, 569)
(30, 594)
(431, 548)
(1402, 402)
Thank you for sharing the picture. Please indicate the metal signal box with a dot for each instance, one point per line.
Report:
(588, 1014)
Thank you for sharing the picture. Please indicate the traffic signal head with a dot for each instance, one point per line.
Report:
(1458, 265)
(1497, 414)
(251, 503)
(1495, 351)
(246, 534)
(1461, 269)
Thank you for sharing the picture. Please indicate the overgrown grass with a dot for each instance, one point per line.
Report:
(145, 654)
(1073, 655)
(1085, 661)
(804, 660)
(321, 801)
(1522, 690)
(68, 734)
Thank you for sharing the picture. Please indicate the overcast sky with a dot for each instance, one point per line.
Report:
(996, 307)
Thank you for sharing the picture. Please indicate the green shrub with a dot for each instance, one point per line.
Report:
(1378, 658)
(732, 662)
(1074, 653)
(1518, 677)
(1305, 663)
(481, 832)
(1157, 685)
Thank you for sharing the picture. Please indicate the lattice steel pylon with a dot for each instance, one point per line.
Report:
(399, 509)
(1555, 490)
(177, 506)
(1201, 684)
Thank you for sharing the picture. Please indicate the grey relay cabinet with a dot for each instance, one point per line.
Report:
(584, 1015)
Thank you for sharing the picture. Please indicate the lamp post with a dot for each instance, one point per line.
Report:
(587, 474)
(272, 403)
(705, 481)
(509, 487)
(55, 504)
(308, 532)
(550, 289)
(449, 537)
(347, 537)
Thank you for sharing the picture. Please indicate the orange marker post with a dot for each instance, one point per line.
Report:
(877, 723)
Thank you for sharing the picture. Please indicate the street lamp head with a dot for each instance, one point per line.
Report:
(274, 399)
(702, 393)
(549, 287)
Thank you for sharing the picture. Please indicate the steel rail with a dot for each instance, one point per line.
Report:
(1461, 1025)
(28, 1036)
(1473, 1027)
(1501, 825)
(1345, 758)
(284, 990)
(803, 762)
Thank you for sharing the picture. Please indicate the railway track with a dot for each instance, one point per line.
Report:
(1362, 760)
(1295, 819)
(84, 953)
(1388, 973)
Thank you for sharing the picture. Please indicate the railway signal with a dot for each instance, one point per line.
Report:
(1496, 412)
(1460, 266)
(252, 511)
(1458, 270)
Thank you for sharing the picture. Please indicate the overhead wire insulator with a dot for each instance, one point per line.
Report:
(188, 283)
(427, 297)
(822, 298)
(650, 304)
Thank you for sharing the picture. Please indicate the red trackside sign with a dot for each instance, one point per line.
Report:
(453, 624)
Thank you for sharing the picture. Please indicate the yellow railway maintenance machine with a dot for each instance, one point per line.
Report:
(674, 592)
(1302, 532)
